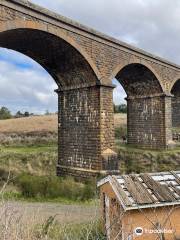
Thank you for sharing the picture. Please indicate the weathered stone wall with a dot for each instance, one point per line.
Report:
(168, 122)
(86, 131)
(107, 118)
(146, 122)
(79, 128)
(176, 104)
(176, 111)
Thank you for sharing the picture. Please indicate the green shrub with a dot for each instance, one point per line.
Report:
(54, 187)
(120, 132)
(89, 190)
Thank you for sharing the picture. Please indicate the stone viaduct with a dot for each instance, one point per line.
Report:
(83, 62)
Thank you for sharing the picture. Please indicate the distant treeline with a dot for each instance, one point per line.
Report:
(122, 108)
(5, 113)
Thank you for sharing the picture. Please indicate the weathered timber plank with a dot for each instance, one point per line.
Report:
(132, 188)
(121, 192)
(162, 193)
(177, 190)
(177, 178)
(148, 198)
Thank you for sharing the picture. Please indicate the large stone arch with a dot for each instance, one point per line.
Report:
(147, 104)
(138, 80)
(175, 92)
(173, 82)
(123, 65)
(81, 96)
(25, 26)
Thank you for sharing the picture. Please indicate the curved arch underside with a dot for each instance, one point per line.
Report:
(62, 61)
(138, 80)
(176, 88)
(176, 104)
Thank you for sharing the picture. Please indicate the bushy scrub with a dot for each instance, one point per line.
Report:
(91, 231)
(54, 187)
(28, 138)
(120, 132)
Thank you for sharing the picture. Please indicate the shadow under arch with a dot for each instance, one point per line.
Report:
(59, 54)
(138, 80)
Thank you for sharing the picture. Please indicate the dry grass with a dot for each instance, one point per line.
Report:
(43, 124)
(19, 221)
(120, 119)
(30, 124)
(65, 213)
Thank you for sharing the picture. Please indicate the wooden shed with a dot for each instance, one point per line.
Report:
(141, 206)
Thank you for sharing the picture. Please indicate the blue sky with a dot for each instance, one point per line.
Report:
(25, 85)
(153, 25)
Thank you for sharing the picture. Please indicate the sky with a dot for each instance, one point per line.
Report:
(153, 25)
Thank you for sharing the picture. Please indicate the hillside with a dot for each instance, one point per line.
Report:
(42, 124)
(30, 124)
(120, 120)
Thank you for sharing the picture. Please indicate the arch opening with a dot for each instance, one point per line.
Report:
(120, 113)
(138, 81)
(175, 110)
(60, 59)
(144, 104)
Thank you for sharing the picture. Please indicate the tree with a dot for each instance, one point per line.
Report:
(5, 113)
(26, 114)
(122, 108)
(47, 112)
(19, 114)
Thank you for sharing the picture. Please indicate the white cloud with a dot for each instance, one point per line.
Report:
(150, 24)
(25, 85)
(118, 93)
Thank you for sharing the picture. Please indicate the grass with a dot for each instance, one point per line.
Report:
(20, 160)
(31, 188)
(47, 123)
(18, 196)
(134, 160)
(133, 148)
(29, 149)
(89, 231)
(30, 222)
(36, 154)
